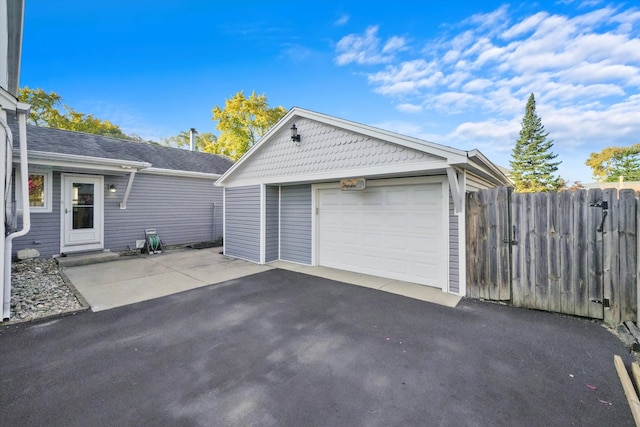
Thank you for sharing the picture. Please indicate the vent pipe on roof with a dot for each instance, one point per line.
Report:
(192, 138)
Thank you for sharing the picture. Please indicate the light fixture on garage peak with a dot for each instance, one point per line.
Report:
(294, 134)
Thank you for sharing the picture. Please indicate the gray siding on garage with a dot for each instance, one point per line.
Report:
(272, 224)
(182, 210)
(45, 227)
(295, 223)
(454, 256)
(242, 215)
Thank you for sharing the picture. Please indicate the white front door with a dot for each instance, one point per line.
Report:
(82, 213)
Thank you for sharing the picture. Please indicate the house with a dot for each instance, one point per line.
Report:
(621, 184)
(11, 28)
(91, 192)
(323, 191)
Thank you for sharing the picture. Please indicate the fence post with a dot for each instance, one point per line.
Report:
(611, 270)
(554, 216)
(502, 286)
(595, 284)
(566, 206)
(637, 200)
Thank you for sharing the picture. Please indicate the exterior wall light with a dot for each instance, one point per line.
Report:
(294, 134)
(112, 188)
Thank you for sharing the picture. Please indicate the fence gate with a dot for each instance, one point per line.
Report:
(557, 260)
(488, 236)
(572, 252)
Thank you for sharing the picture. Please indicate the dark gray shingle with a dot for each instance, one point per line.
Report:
(60, 141)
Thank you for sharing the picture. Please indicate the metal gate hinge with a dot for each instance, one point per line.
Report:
(603, 205)
(604, 302)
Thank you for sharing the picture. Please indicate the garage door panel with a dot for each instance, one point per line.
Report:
(397, 197)
(371, 239)
(398, 242)
(389, 231)
(372, 199)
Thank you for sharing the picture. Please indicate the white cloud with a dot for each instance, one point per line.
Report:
(342, 20)
(583, 67)
(394, 44)
(409, 108)
(409, 77)
(499, 134)
(526, 26)
(365, 49)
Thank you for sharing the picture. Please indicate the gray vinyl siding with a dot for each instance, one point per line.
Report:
(475, 183)
(44, 234)
(181, 210)
(454, 258)
(272, 224)
(242, 216)
(295, 223)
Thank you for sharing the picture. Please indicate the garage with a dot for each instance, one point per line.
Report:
(393, 228)
(349, 196)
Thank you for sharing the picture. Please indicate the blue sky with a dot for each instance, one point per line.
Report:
(457, 73)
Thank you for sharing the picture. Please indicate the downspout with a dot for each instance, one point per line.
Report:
(23, 110)
(123, 203)
(4, 152)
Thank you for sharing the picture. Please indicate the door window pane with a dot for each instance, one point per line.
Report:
(82, 205)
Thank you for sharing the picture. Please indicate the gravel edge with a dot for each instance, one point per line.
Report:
(40, 291)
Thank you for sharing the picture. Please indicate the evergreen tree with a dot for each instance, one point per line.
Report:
(532, 165)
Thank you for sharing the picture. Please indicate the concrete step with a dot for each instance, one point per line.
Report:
(72, 260)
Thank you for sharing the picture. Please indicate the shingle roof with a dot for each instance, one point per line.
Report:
(60, 141)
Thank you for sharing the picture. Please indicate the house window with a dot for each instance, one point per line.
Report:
(39, 190)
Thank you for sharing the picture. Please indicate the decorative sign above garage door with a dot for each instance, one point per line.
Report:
(355, 184)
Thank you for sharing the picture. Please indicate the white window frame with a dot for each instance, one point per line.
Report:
(48, 190)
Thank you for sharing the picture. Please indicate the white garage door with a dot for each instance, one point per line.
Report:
(394, 231)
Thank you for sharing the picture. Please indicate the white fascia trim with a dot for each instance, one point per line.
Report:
(462, 241)
(484, 167)
(186, 174)
(452, 155)
(263, 221)
(8, 102)
(370, 173)
(457, 190)
(71, 160)
(224, 219)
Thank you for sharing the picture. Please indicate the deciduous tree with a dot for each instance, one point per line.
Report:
(609, 164)
(45, 111)
(532, 165)
(243, 121)
(44, 106)
(205, 142)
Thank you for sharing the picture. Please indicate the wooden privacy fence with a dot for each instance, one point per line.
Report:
(573, 252)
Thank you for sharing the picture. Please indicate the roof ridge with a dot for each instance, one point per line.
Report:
(124, 140)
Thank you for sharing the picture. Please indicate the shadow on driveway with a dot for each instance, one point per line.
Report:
(281, 348)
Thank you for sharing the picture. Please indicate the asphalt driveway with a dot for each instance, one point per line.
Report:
(281, 348)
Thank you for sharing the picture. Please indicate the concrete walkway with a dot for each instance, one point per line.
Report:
(117, 283)
(410, 290)
(126, 281)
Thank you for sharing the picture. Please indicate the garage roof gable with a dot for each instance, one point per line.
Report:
(331, 147)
